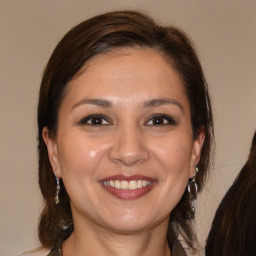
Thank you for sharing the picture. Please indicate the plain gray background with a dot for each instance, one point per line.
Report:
(225, 37)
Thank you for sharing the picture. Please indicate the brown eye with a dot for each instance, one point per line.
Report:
(159, 120)
(95, 120)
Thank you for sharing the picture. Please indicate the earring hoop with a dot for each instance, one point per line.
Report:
(56, 199)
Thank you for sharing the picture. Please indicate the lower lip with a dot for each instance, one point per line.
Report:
(127, 194)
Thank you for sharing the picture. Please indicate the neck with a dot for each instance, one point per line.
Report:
(99, 241)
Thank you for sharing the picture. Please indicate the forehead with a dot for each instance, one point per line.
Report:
(127, 74)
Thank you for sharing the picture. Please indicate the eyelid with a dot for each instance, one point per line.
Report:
(84, 120)
(170, 120)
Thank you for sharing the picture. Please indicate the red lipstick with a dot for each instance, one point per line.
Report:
(138, 190)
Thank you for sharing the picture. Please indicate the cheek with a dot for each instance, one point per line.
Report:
(80, 157)
(174, 153)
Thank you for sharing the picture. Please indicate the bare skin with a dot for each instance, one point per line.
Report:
(125, 120)
(147, 243)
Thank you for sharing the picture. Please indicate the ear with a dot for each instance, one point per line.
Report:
(196, 151)
(52, 151)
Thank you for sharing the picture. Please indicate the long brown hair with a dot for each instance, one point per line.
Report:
(233, 231)
(98, 35)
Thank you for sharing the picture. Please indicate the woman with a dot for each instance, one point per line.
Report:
(124, 123)
(233, 230)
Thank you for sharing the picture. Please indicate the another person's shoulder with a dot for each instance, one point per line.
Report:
(36, 252)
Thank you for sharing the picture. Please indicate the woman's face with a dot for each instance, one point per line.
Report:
(124, 146)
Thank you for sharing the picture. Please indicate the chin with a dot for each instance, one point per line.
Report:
(122, 227)
(130, 222)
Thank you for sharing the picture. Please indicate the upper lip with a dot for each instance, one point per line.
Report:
(129, 178)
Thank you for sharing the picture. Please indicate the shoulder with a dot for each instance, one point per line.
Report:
(37, 252)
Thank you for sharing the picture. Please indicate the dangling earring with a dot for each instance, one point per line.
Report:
(192, 190)
(57, 189)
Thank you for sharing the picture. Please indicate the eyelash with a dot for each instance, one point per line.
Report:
(102, 120)
(166, 120)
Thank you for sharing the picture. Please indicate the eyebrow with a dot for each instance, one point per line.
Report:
(163, 101)
(97, 102)
(151, 103)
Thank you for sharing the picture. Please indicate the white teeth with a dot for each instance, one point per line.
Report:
(112, 183)
(139, 183)
(133, 184)
(124, 184)
(117, 184)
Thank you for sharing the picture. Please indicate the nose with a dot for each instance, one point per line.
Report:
(129, 147)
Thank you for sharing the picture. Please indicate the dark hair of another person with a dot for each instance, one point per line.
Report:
(100, 34)
(233, 231)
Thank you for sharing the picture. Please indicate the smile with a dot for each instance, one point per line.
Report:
(124, 184)
(128, 188)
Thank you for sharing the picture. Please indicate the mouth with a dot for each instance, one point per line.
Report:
(128, 187)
